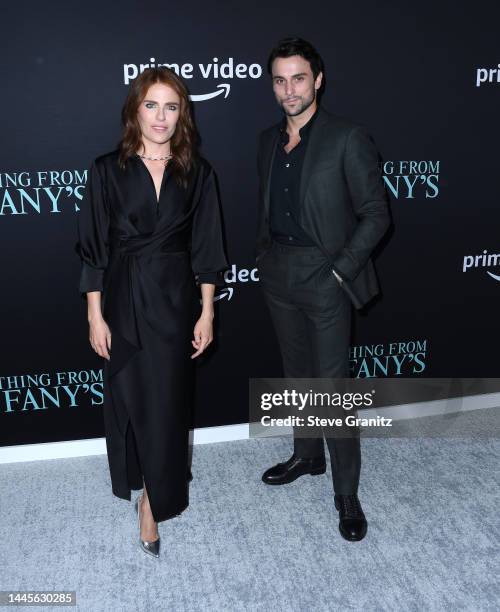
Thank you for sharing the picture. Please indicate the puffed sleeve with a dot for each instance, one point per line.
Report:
(208, 259)
(93, 233)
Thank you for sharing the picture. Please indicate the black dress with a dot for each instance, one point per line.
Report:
(146, 256)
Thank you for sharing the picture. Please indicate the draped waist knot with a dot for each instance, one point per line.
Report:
(131, 293)
(140, 246)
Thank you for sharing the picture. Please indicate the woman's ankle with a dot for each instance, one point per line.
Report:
(145, 505)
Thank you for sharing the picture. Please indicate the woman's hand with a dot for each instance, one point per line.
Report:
(100, 337)
(203, 334)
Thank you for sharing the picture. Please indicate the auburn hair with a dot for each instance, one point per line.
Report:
(184, 140)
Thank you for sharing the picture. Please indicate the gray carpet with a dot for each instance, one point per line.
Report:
(432, 543)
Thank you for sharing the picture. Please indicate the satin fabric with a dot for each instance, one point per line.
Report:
(146, 255)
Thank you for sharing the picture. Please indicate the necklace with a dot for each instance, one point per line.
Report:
(155, 158)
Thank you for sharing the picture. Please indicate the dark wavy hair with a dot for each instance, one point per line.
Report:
(183, 144)
(296, 46)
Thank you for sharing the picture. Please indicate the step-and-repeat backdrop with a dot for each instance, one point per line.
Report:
(424, 78)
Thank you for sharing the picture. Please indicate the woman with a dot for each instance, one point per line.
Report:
(149, 231)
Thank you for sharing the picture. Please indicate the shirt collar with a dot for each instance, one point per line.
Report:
(304, 130)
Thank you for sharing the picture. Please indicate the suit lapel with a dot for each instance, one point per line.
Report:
(312, 152)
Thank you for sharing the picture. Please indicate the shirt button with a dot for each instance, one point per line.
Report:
(286, 189)
(287, 165)
(290, 238)
(287, 213)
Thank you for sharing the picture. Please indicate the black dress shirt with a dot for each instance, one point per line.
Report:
(285, 185)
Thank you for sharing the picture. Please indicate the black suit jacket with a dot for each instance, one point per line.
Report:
(343, 200)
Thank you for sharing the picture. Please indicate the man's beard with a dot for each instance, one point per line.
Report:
(305, 104)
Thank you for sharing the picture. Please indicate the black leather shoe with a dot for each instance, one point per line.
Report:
(352, 523)
(290, 470)
(190, 475)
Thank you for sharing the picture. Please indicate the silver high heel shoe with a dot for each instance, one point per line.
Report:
(152, 548)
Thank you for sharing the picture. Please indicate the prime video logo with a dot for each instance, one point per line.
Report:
(487, 75)
(216, 69)
(232, 276)
(482, 261)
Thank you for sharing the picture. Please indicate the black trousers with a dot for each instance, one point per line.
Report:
(311, 314)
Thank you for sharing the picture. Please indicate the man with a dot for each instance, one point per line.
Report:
(323, 209)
